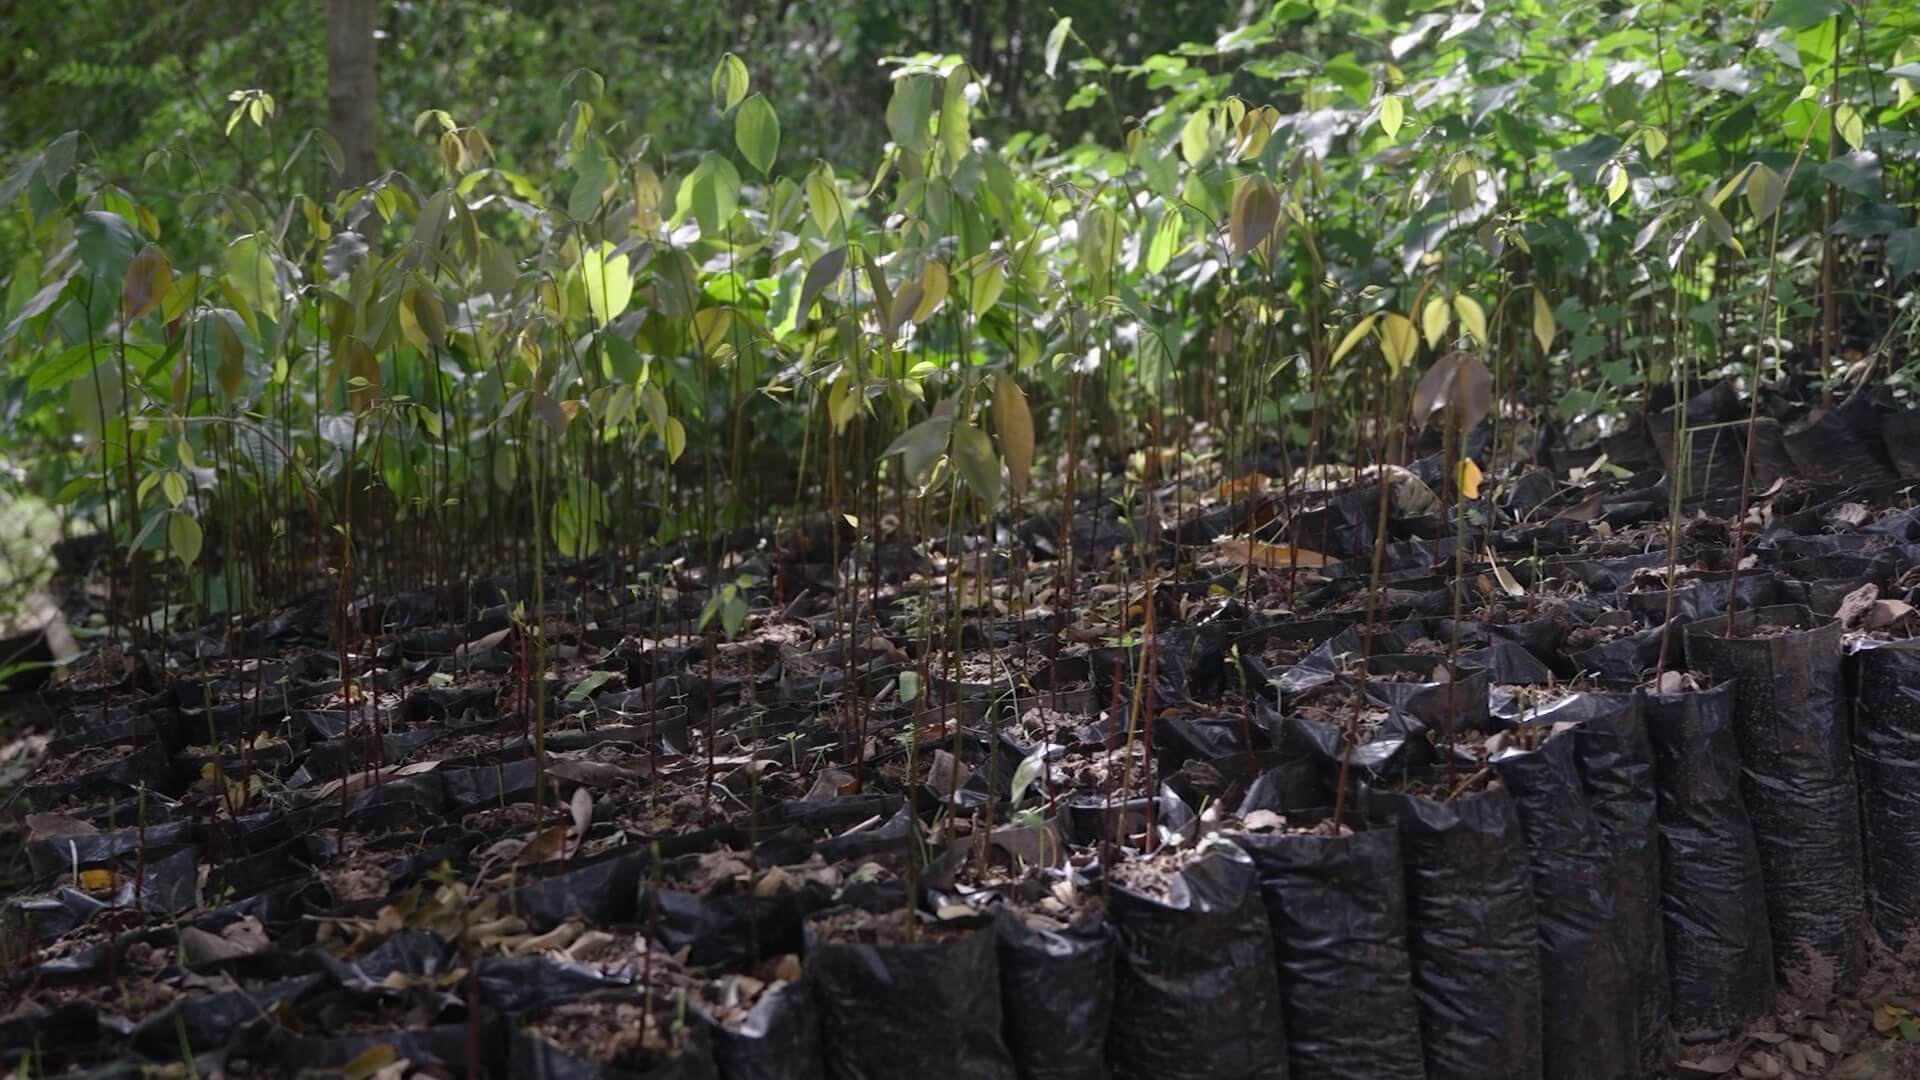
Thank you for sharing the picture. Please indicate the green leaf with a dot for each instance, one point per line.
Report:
(756, 131)
(729, 82)
(988, 283)
(825, 270)
(909, 111)
(909, 686)
(1196, 137)
(711, 193)
(585, 687)
(1013, 422)
(1057, 40)
(608, 283)
(1801, 14)
(50, 372)
(251, 273)
(921, 445)
(184, 537)
(973, 459)
(1616, 183)
(956, 130)
(823, 199)
(1903, 254)
(1392, 112)
(174, 486)
(1167, 234)
(105, 243)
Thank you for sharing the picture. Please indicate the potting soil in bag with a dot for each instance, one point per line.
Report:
(1338, 907)
(1886, 749)
(1195, 990)
(1798, 782)
(1587, 1014)
(1713, 905)
(1616, 771)
(1470, 932)
(896, 1006)
(1056, 983)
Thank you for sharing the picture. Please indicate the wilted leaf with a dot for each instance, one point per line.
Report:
(1456, 381)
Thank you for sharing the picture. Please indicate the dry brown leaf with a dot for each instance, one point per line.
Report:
(548, 845)
(49, 826)
(1856, 604)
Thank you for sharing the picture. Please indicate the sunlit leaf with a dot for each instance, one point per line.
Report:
(756, 131)
(1256, 210)
(608, 283)
(1392, 113)
(728, 82)
(1056, 40)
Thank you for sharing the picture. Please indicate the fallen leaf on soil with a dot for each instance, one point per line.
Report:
(1855, 605)
(48, 826)
(1272, 556)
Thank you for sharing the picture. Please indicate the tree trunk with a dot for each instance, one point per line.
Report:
(350, 87)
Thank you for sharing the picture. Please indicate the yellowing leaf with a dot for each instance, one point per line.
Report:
(1469, 479)
(1473, 318)
(96, 880)
(934, 283)
(1354, 337)
(1543, 325)
(1272, 556)
(1398, 339)
(1852, 126)
(674, 434)
(1616, 184)
(1392, 111)
(148, 277)
(1013, 422)
(1434, 319)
